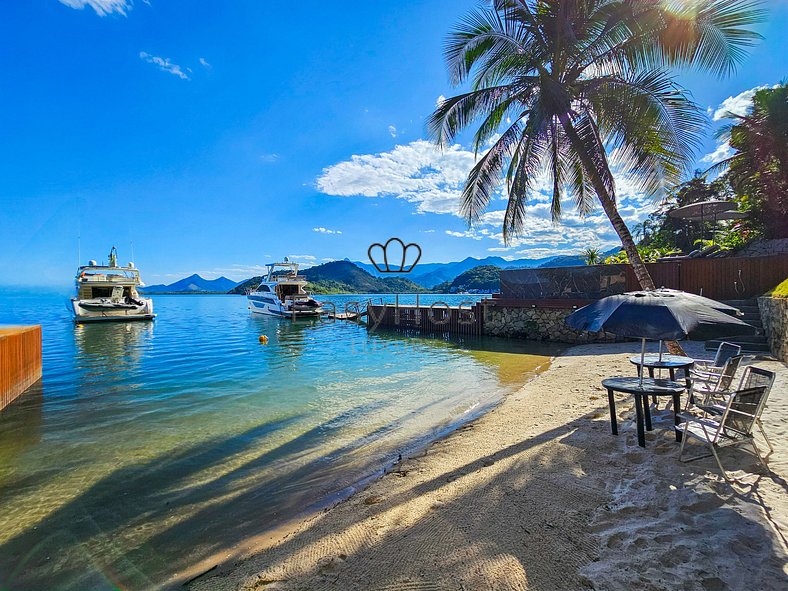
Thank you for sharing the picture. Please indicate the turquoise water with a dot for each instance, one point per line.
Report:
(151, 447)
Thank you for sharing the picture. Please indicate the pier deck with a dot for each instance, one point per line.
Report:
(20, 361)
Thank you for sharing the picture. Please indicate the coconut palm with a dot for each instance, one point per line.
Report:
(592, 256)
(569, 88)
(758, 169)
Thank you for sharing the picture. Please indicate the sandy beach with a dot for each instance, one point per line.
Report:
(538, 494)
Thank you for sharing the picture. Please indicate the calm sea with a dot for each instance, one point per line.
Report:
(151, 447)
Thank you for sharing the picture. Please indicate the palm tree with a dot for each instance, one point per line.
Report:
(592, 256)
(758, 170)
(568, 87)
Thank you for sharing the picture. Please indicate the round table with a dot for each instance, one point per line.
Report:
(641, 391)
(670, 362)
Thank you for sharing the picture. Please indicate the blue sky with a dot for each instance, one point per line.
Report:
(217, 136)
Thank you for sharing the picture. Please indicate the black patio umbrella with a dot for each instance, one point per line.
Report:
(714, 304)
(658, 316)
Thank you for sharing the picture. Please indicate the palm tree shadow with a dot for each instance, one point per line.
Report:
(101, 539)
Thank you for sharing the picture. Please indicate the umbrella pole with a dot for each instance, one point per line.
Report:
(642, 360)
(660, 351)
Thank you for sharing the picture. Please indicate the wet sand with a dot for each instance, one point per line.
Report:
(538, 494)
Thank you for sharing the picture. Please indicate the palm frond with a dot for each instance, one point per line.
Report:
(485, 176)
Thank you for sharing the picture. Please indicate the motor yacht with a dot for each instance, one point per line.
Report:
(109, 293)
(281, 293)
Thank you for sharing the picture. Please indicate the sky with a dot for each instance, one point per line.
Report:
(214, 137)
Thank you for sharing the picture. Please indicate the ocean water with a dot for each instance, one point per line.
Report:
(149, 448)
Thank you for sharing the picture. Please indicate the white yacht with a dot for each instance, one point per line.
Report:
(282, 294)
(109, 293)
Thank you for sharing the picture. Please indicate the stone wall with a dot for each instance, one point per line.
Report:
(537, 323)
(774, 315)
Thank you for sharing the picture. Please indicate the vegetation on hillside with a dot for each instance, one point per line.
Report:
(481, 279)
(343, 277)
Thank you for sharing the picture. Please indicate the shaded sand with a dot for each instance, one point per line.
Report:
(538, 494)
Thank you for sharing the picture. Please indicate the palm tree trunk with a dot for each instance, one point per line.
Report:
(609, 207)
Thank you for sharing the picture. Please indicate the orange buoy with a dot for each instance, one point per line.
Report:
(263, 339)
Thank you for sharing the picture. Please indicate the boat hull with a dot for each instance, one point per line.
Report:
(267, 306)
(95, 311)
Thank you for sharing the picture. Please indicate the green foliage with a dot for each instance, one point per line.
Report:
(781, 291)
(758, 170)
(647, 254)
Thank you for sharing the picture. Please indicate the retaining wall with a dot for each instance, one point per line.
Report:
(774, 316)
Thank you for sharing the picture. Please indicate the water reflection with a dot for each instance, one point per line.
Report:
(111, 348)
(154, 446)
(20, 428)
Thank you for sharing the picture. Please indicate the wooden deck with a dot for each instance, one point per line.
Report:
(20, 361)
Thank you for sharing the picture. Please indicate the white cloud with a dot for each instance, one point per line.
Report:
(204, 63)
(322, 230)
(164, 64)
(722, 152)
(302, 257)
(466, 234)
(393, 131)
(432, 180)
(418, 172)
(269, 157)
(102, 7)
(738, 105)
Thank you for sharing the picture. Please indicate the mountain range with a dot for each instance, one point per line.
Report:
(356, 277)
(431, 274)
(193, 284)
(343, 277)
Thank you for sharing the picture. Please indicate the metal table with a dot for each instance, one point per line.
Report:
(669, 362)
(652, 361)
(649, 387)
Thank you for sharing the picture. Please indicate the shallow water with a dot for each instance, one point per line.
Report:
(149, 447)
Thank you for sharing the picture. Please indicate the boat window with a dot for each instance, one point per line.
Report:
(102, 292)
(263, 288)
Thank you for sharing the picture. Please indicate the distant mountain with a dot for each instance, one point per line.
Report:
(481, 279)
(431, 274)
(193, 284)
(343, 277)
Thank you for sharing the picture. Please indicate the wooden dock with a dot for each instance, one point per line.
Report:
(20, 361)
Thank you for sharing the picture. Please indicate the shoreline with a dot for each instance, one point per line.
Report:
(536, 493)
(269, 538)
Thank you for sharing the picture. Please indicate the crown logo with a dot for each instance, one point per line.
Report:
(394, 255)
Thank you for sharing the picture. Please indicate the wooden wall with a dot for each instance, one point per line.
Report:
(20, 361)
(720, 279)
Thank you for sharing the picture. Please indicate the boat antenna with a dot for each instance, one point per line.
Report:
(79, 233)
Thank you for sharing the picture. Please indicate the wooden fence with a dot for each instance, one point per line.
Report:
(466, 320)
(20, 361)
(720, 279)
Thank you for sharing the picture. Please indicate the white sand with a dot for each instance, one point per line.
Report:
(539, 495)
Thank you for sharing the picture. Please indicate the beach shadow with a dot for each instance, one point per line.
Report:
(538, 521)
(130, 528)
